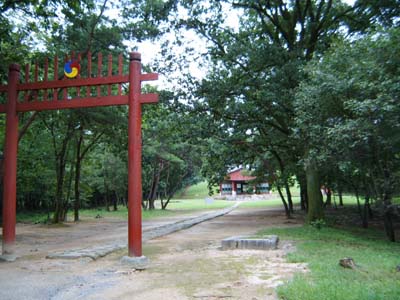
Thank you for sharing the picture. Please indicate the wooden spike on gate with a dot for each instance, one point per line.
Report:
(36, 71)
(55, 77)
(35, 93)
(89, 70)
(65, 90)
(99, 68)
(46, 75)
(120, 66)
(26, 94)
(109, 73)
(78, 89)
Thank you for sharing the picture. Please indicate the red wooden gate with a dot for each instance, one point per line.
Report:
(91, 88)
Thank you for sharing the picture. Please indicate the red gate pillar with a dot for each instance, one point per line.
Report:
(135, 158)
(10, 162)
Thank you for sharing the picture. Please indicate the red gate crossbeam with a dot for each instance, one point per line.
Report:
(79, 102)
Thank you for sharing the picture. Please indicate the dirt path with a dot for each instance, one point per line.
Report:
(184, 265)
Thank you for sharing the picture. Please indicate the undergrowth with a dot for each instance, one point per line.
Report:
(375, 277)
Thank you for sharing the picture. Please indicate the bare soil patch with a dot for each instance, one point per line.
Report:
(185, 265)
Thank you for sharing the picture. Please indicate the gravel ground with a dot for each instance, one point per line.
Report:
(187, 264)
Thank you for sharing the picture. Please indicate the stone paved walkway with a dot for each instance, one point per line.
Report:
(149, 233)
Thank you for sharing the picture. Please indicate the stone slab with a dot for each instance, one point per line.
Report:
(268, 242)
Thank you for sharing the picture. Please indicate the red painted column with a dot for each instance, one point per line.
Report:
(10, 162)
(135, 157)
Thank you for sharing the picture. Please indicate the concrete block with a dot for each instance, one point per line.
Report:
(136, 262)
(247, 242)
(8, 257)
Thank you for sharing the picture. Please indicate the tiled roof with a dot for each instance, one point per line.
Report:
(238, 176)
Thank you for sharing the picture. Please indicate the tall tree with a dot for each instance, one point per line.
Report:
(255, 69)
(170, 154)
(349, 108)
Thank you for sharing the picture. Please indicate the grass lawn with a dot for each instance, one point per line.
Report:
(375, 278)
(275, 201)
(197, 204)
(122, 212)
(196, 191)
(175, 207)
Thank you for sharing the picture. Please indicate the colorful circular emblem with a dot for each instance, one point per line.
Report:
(71, 68)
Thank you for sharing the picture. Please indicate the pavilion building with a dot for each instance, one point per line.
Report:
(238, 183)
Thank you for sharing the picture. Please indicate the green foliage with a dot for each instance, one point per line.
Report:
(348, 110)
(196, 191)
(318, 224)
(146, 19)
(170, 158)
(33, 217)
(246, 102)
(374, 278)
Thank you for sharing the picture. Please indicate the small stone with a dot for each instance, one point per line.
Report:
(347, 262)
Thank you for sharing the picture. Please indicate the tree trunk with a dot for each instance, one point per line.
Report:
(155, 183)
(303, 195)
(59, 199)
(315, 204)
(80, 154)
(125, 199)
(60, 160)
(151, 204)
(78, 165)
(287, 210)
(115, 201)
(106, 195)
(164, 204)
(365, 212)
(289, 196)
(387, 216)
(388, 223)
(358, 204)
(68, 197)
(328, 192)
(144, 203)
(77, 203)
(169, 197)
(340, 192)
